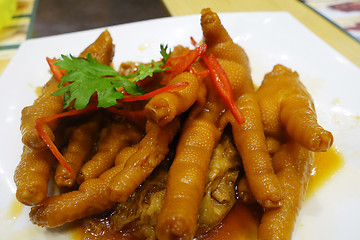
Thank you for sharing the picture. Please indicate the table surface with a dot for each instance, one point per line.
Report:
(326, 30)
(38, 18)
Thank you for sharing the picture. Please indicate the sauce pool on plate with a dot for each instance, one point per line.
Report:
(242, 221)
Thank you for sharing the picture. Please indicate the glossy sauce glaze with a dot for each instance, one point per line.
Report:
(242, 221)
(325, 165)
(15, 209)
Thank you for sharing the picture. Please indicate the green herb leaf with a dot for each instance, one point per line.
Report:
(88, 76)
(85, 77)
(164, 53)
(148, 70)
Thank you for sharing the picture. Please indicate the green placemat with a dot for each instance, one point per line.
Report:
(17, 31)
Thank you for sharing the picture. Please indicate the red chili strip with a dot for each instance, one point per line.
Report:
(171, 59)
(184, 62)
(193, 42)
(145, 81)
(199, 74)
(129, 113)
(58, 73)
(39, 127)
(223, 86)
(172, 87)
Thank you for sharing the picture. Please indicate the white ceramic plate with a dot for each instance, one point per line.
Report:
(268, 38)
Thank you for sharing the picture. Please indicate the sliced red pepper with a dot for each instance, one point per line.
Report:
(171, 59)
(193, 42)
(184, 62)
(223, 86)
(146, 81)
(39, 127)
(58, 73)
(172, 87)
(199, 74)
(129, 113)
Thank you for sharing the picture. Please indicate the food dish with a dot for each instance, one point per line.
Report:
(253, 32)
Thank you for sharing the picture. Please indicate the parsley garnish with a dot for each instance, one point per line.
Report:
(87, 77)
(164, 53)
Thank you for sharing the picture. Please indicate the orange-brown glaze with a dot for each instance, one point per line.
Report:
(292, 164)
(273, 145)
(325, 165)
(244, 192)
(163, 108)
(119, 136)
(279, 185)
(249, 137)
(188, 173)
(15, 210)
(201, 132)
(32, 188)
(187, 178)
(252, 146)
(243, 219)
(93, 197)
(102, 49)
(78, 151)
(218, 40)
(95, 228)
(287, 108)
(45, 105)
(150, 151)
(241, 223)
(32, 175)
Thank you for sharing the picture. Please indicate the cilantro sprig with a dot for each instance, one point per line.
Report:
(85, 77)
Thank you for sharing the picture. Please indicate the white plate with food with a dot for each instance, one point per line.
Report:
(269, 38)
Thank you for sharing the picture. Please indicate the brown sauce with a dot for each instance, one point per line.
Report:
(38, 91)
(242, 221)
(325, 165)
(15, 209)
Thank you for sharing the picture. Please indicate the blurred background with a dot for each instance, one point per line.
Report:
(62, 16)
(335, 21)
(25, 19)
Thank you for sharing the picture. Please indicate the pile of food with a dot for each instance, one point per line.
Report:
(164, 150)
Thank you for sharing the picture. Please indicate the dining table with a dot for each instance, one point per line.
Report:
(322, 27)
(39, 18)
